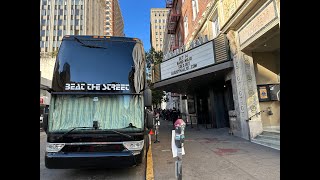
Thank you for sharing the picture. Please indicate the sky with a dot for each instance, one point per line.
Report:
(136, 16)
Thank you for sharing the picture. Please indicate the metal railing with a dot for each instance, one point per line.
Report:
(189, 118)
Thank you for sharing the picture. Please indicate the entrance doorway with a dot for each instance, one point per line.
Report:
(213, 105)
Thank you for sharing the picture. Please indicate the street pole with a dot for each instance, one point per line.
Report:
(179, 164)
(179, 141)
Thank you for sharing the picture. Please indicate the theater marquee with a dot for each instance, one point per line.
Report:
(193, 59)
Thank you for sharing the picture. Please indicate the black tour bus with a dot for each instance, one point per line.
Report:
(99, 104)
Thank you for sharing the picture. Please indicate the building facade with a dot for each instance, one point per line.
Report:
(57, 19)
(114, 25)
(69, 17)
(225, 58)
(158, 23)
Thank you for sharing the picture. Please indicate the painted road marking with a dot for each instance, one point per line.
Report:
(165, 150)
(149, 173)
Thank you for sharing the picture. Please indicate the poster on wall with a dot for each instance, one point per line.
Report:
(263, 93)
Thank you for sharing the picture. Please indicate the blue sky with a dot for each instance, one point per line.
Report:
(136, 16)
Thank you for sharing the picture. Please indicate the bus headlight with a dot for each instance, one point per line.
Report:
(54, 147)
(133, 145)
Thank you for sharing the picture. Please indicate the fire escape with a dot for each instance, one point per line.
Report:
(173, 18)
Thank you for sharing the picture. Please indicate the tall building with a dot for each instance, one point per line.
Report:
(57, 19)
(114, 24)
(158, 23)
(69, 17)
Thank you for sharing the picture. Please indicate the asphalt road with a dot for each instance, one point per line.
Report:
(132, 173)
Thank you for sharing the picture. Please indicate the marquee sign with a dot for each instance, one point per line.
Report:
(193, 59)
(96, 87)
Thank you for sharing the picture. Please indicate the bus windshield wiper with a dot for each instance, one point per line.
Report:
(86, 45)
(73, 130)
(130, 126)
(120, 133)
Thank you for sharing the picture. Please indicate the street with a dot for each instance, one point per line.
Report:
(135, 173)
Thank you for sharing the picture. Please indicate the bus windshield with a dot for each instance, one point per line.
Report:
(111, 112)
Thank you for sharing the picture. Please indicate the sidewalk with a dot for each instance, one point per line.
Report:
(214, 154)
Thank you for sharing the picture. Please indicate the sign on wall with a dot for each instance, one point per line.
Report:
(193, 59)
(259, 22)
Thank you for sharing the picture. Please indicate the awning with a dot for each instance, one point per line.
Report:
(188, 82)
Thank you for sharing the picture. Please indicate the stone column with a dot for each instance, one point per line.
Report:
(244, 91)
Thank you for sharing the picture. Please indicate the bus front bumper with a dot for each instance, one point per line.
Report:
(92, 160)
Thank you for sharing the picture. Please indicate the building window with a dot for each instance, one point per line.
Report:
(163, 20)
(155, 27)
(64, 17)
(160, 33)
(155, 21)
(159, 27)
(195, 8)
(215, 27)
(41, 44)
(185, 21)
(157, 45)
(42, 32)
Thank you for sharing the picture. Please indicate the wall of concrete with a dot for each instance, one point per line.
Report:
(267, 67)
(46, 67)
(267, 70)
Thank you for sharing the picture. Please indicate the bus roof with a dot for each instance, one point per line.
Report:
(91, 37)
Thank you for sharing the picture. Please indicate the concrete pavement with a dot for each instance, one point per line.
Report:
(214, 154)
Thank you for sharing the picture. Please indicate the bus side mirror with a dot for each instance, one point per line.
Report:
(147, 97)
(149, 120)
(45, 122)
